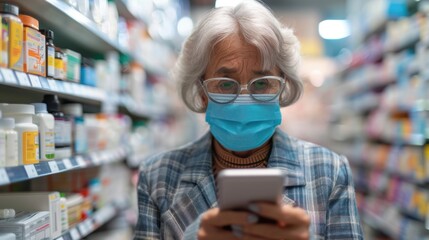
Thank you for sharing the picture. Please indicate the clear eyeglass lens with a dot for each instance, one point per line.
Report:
(263, 89)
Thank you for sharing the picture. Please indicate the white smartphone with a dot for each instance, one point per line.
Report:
(237, 188)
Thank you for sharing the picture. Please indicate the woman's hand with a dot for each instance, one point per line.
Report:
(214, 221)
(292, 223)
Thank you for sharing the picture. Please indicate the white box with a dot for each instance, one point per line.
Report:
(7, 236)
(36, 201)
(27, 225)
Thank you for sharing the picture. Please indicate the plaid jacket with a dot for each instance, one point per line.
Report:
(176, 187)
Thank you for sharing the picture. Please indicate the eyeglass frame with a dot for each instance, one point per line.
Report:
(243, 87)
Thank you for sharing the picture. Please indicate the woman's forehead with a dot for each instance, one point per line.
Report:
(234, 46)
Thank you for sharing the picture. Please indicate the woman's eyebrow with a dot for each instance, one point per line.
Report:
(226, 70)
(263, 73)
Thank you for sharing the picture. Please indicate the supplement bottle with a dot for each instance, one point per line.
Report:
(74, 112)
(62, 127)
(9, 16)
(34, 46)
(28, 132)
(59, 68)
(50, 52)
(11, 140)
(46, 124)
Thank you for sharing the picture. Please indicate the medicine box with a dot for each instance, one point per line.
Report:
(27, 225)
(73, 65)
(36, 201)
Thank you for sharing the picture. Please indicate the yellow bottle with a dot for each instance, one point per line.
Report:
(9, 15)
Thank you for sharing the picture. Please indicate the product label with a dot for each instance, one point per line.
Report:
(50, 62)
(15, 46)
(59, 70)
(11, 149)
(4, 43)
(33, 51)
(49, 141)
(59, 139)
(30, 147)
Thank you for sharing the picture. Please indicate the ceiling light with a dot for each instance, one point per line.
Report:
(334, 29)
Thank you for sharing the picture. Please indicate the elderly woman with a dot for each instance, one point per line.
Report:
(239, 66)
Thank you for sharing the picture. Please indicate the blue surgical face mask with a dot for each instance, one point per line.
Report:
(244, 124)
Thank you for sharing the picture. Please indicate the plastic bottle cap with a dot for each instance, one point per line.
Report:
(74, 109)
(9, 8)
(52, 102)
(7, 213)
(29, 21)
(7, 123)
(49, 34)
(40, 107)
(17, 109)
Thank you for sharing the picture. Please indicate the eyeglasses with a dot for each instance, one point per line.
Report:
(262, 89)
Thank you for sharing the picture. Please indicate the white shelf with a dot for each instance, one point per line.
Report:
(48, 85)
(74, 91)
(44, 168)
(91, 224)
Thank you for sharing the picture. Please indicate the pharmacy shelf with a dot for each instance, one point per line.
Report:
(65, 89)
(376, 28)
(71, 27)
(408, 40)
(125, 12)
(44, 168)
(379, 223)
(83, 229)
(141, 110)
(76, 31)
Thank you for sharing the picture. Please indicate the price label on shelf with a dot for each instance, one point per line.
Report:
(31, 171)
(82, 229)
(95, 158)
(88, 225)
(68, 88)
(35, 81)
(4, 178)
(44, 83)
(80, 161)
(53, 84)
(53, 166)
(74, 234)
(67, 163)
(60, 86)
(8, 75)
(23, 79)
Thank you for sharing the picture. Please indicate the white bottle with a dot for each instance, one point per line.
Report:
(8, 125)
(28, 132)
(46, 123)
(79, 137)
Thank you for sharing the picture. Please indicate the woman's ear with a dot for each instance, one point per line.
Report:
(204, 99)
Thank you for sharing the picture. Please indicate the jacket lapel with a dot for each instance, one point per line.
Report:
(196, 192)
(285, 156)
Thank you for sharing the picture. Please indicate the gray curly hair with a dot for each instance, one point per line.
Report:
(277, 45)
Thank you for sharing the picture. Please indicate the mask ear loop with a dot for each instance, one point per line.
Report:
(282, 91)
